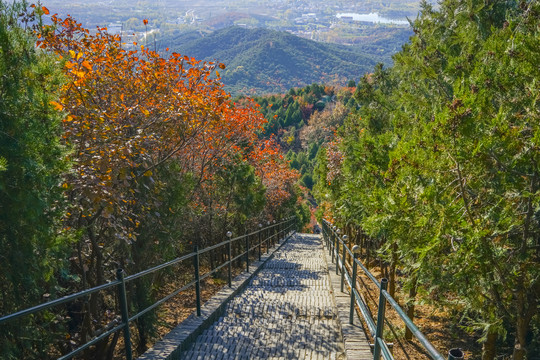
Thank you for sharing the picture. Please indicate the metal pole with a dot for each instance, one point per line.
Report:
(197, 280)
(124, 311)
(343, 267)
(229, 250)
(260, 226)
(353, 283)
(266, 241)
(269, 237)
(329, 240)
(380, 320)
(276, 233)
(325, 230)
(455, 354)
(247, 253)
(337, 251)
(333, 245)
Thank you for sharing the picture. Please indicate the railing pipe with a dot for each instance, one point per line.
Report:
(164, 299)
(124, 312)
(56, 302)
(158, 267)
(197, 280)
(91, 343)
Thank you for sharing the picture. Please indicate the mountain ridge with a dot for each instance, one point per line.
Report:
(268, 61)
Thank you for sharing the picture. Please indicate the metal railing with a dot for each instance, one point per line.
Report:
(335, 242)
(268, 236)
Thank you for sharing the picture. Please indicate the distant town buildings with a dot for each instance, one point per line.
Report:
(115, 28)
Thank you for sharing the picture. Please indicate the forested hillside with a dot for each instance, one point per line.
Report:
(113, 159)
(305, 118)
(438, 174)
(266, 61)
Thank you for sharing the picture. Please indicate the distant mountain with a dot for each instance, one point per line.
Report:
(231, 18)
(266, 61)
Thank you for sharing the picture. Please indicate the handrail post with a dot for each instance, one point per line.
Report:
(353, 283)
(268, 236)
(124, 312)
(338, 231)
(266, 240)
(229, 250)
(343, 267)
(455, 354)
(197, 280)
(325, 235)
(332, 242)
(333, 245)
(274, 234)
(380, 320)
(329, 239)
(260, 243)
(247, 253)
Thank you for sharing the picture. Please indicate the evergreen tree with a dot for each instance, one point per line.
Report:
(442, 166)
(30, 183)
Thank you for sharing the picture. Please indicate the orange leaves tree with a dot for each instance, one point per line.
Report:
(277, 176)
(159, 152)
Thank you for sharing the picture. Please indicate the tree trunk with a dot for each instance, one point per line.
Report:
(489, 347)
(527, 299)
(522, 326)
(410, 307)
(392, 275)
(367, 242)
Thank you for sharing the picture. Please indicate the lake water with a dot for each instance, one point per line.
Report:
(372, 18)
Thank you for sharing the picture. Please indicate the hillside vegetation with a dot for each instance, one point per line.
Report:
(305, 118)
(439, 173)
(266, 61)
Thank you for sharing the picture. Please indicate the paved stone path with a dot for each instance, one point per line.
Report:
(286, 312)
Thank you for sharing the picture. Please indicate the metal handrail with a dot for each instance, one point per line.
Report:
(159, 267)
(57, 302)
(333, 241)
(270, 235)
